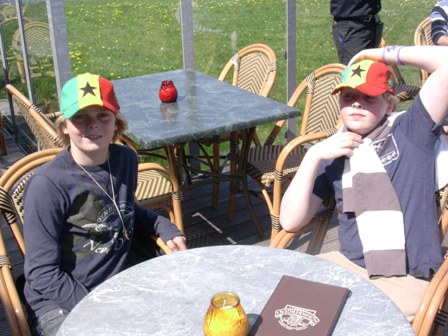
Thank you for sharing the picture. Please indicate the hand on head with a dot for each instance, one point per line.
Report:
(375, 54)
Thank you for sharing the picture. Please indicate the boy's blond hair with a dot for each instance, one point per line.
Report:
(391, 99)
(120, 121)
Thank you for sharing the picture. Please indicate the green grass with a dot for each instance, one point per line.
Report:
(125, 38)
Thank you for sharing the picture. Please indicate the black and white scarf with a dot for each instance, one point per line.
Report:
(369, 193)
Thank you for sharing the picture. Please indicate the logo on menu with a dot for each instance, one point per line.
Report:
(296, 318)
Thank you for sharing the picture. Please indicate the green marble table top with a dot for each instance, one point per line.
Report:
(205, 107)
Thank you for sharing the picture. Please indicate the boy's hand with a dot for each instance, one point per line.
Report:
(177, 244)
(375, 54)
(340, 144)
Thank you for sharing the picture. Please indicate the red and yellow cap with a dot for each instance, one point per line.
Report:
(87, 90)
(369, 77)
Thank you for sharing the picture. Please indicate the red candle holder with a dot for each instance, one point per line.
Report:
(168, 92)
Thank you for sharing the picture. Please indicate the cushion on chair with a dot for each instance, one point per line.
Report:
(152, 188)
(406, 91)
(262, 160)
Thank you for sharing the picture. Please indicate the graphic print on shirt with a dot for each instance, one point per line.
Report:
(106, 236)
(101, 223)
(386, 149)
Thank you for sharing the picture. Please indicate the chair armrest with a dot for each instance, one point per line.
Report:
(433, 301)
(321, 220)
(174, 210)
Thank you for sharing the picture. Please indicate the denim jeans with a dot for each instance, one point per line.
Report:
(48, 324)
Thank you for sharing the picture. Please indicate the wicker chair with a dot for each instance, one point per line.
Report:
(320, 222)
(320, 113)
(38, 123)
(422, 37)
(9, 11)
(403, 90)
(40, 59)
(253, 68)
(152, 185)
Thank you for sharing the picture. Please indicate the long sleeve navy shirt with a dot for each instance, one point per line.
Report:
(73, 234)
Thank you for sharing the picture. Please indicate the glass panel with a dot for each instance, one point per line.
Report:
(40, 59)
(37, 37)
(119, 39)
(222, 28)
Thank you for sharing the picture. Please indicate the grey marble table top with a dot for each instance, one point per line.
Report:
(170, 295)
(205, 107)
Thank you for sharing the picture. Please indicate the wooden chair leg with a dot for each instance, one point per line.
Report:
(243, 183)
(250, 207)
(215, 169)
(234, 186)
(3, 143)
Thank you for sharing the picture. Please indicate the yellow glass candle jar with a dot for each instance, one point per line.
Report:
(225, 316)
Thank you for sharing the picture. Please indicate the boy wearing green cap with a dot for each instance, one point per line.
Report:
(80, 233)
(381, 169)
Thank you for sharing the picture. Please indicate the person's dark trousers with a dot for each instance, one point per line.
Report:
(143, 248)
(353, 35)
(49, 323)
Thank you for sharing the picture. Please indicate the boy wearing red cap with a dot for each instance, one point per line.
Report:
(80, 233)
(381, 169)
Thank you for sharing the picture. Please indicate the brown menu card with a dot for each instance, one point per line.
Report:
(301, 307)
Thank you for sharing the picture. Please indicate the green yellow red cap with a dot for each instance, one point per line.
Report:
(369, 77)
(87, 90)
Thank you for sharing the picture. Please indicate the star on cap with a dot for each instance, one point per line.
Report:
(357, 71)
(88, 89)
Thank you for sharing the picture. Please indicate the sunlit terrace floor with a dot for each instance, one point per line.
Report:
(204, 225)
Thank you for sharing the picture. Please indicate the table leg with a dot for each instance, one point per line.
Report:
(238, 166)
(215, 170)
(174, 154)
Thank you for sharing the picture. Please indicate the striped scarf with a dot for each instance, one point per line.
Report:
(368, 192)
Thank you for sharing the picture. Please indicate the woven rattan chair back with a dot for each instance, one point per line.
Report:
(321, 109)
(39, 125)
(38, 43)
(9, 11)
(422, 37)
(254, 69)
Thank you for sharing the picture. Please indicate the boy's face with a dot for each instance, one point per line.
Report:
(361, 113)
(91, 129)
